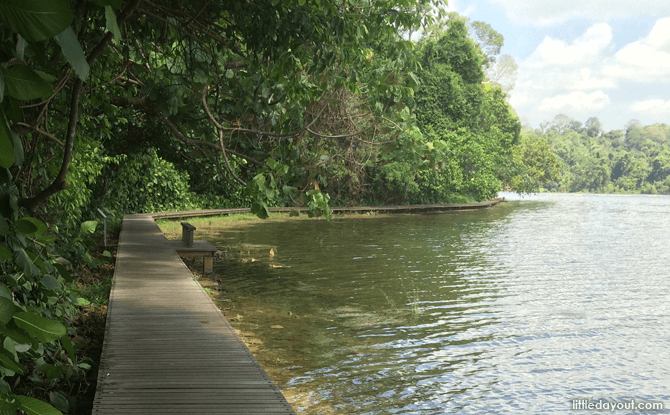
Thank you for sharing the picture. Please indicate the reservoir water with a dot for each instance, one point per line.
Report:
(519, 308)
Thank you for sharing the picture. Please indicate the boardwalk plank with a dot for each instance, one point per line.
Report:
(168, 349)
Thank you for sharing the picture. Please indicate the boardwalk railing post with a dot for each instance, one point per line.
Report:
(187, 231)
(104, 226)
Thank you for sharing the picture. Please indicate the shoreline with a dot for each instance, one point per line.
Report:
(237, 216)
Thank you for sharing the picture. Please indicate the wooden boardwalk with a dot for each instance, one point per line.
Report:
(433, 208)
(168, 349)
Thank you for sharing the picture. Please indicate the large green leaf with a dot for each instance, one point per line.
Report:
(33, 406)
(43, 329)
(50, 283)
(36, 20)
(18, 149)
(6, 143)
(23, 260)
(7, 310)
(19, 338)
(73, 52)
(63, 273)
(69, 348)
(9, 406)
(4, 291)
(112, 25)
(88, 226)
(7, 361)
(30, 226)
(24, 84)
(5, 254)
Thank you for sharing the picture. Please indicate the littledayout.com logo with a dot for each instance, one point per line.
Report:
(606, 405)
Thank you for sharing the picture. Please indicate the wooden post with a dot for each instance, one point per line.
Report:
(187, 231)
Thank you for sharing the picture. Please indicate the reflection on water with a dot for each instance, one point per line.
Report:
(521, 307)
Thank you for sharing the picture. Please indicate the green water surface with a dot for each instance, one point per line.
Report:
(523, 306)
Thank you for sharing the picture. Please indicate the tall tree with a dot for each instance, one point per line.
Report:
(503, 72)
(489, 40)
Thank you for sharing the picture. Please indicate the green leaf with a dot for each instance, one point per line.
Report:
(7, 310)
(36, 20)
(34, 406)
(260, 209)
(64, 273)
(82, 302)
(19, 338)
(7, 361)
(43, 329)
(5, 175)
(67, 345)
(229, 73)
(11, 107)
(88, 227)
(59, 401)
(73, 52)
(112, 25)
(8, 407)
(18, 149)
(5, 254)
(24, 84)
(30, 226)
(50, 283)
(6, 143)
(51, 371)
(23, 260)
(4, 291)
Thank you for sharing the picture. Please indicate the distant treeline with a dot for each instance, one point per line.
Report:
(633, 160)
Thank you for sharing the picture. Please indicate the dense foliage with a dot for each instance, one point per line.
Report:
(634, 160)
(137, 105)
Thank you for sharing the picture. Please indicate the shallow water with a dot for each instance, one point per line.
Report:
(521, 307)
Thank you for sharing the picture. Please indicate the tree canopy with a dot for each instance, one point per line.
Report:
(618, 161)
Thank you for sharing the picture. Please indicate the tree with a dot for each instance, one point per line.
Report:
(561, 123)
(472, 120)
(536, 165)
(593, 127)
(503, 72)
(490, 41)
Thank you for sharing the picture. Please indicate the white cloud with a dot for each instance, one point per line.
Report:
(585, 49)
(575, 101)
(646, 60)
(552, 12)
(652, 106)
(588, 76)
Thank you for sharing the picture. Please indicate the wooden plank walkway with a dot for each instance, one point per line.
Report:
(168, 349)
(433, 208)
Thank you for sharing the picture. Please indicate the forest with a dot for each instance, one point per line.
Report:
(140, 106)
(633, 160)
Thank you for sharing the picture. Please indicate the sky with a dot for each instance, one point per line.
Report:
(598, 58)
